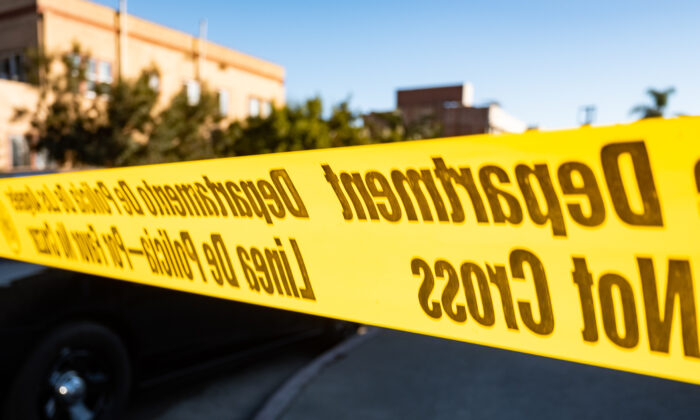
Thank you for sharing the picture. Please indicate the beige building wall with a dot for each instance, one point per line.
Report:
(175, 54)
(62, 29)
(180, 58)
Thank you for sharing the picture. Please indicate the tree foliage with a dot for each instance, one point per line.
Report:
(127, 124)
(658, 106)
(63, 122)
(181, 131)
(293, 127)
(100, 129)
(388, 127)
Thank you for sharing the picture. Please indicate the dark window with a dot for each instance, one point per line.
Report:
(12, 67)
(20, 151)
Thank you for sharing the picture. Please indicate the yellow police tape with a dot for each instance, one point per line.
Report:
(580, 245)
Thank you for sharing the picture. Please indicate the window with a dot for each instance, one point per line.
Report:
(41, 159)
(193, 92)
(11, 67)
(104, 72)
(74, 61)
(92, 69)
(223, 102)
(5, 68)
(265, 109)
(253, 107)
(99, 76)
(20, 151)
(154, 82)
(91, 77)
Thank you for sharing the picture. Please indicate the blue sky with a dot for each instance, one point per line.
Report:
(542, 60)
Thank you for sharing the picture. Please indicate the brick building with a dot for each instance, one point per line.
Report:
(452, 107)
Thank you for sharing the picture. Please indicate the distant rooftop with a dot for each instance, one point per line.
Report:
(460, 95)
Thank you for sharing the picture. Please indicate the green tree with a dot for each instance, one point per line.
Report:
(292, 127)
(388, 127)
(127, 124)
(658, 106)
(182, 131)
(346, 127)
(119, 125)
(63, 119)
(77, 129)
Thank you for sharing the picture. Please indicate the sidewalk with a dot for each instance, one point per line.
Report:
(400, 375)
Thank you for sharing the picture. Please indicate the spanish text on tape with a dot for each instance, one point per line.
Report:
(579, 245)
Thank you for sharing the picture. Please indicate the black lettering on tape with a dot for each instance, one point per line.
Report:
(307, 292)
(414, 179)
(241, 205)
(259, 263)
(630, 337)
(268, 193)
(274, 263)
(499, 277)
(589, 188)
(497, 196)
(469, 272)
(128, 198)
(380, 188)
(553, 214)
(545, 325)
(248, 271)
(584, 280)
(465, 179)
(287, 268)
(107, 195)
(213, 263)
(431, 308)
(224, 259)
(191, 252)
(610, 157)
(444, 269)
(333, 179)
(283, 184)
(354, 186)
(257, 204)
(680, 285)
(217, 189)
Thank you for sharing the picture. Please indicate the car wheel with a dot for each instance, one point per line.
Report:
(79, 371)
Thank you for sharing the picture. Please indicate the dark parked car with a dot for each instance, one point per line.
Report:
(73, 345)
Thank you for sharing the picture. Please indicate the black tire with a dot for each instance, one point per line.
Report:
(78, 371)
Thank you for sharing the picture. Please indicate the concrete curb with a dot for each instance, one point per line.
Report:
(278, 402)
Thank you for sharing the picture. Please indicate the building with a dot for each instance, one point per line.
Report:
(121, 45)
(452, 107)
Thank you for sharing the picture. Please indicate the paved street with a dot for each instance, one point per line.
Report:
(231, 393)
(393, 374)
(407, 376)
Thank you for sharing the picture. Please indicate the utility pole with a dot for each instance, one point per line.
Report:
(123, 35)
(202, 48)
(588, 112)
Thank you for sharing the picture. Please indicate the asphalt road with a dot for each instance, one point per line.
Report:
(399, 375)
(229, 392)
